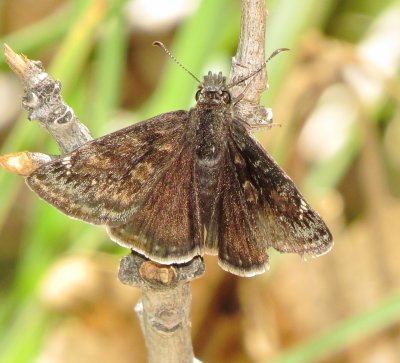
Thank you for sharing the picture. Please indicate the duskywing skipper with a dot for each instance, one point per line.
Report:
(186, 183)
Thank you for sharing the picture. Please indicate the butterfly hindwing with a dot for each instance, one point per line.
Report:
(108, 179)
(234, 233)
(258, 206)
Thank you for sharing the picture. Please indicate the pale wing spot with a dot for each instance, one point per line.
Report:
(250, 192)
(238, 160)
(166, 147)
(303, 205)
(142, 172)
(100, 162)
(85, 209)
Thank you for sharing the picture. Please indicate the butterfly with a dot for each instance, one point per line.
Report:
(184, 184)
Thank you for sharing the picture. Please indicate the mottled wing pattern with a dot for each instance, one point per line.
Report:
(234, 233)
(167, 228)
(285, 220)
(107, 180)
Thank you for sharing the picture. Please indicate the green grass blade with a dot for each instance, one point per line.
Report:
(355, 328)
(37, 35)
(195, 40)
(108, 68)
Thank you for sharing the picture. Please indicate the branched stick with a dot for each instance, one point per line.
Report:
(250, 55)
(165, 305)
(43, 101)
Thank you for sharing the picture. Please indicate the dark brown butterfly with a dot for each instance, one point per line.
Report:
(186, 183)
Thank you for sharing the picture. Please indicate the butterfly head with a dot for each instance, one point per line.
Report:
(213, 90)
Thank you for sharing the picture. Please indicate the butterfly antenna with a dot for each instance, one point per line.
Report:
(274, 53)
(161, 45)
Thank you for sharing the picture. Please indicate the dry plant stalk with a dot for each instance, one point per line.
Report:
(165, 305)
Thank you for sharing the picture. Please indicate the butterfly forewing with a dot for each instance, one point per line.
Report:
(108, 179)
(167, 228)
(285, 219)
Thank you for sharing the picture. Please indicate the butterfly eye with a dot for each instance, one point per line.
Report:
(198, 94)
(226, 96)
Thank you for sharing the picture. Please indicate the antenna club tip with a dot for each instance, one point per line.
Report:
(157, 43)
(277, 51)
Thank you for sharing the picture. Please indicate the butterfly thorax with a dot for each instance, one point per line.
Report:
(208, 120)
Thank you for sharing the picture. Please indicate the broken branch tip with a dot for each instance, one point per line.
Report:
(18, 63)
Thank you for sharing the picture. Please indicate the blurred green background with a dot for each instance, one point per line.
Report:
(336, 96)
